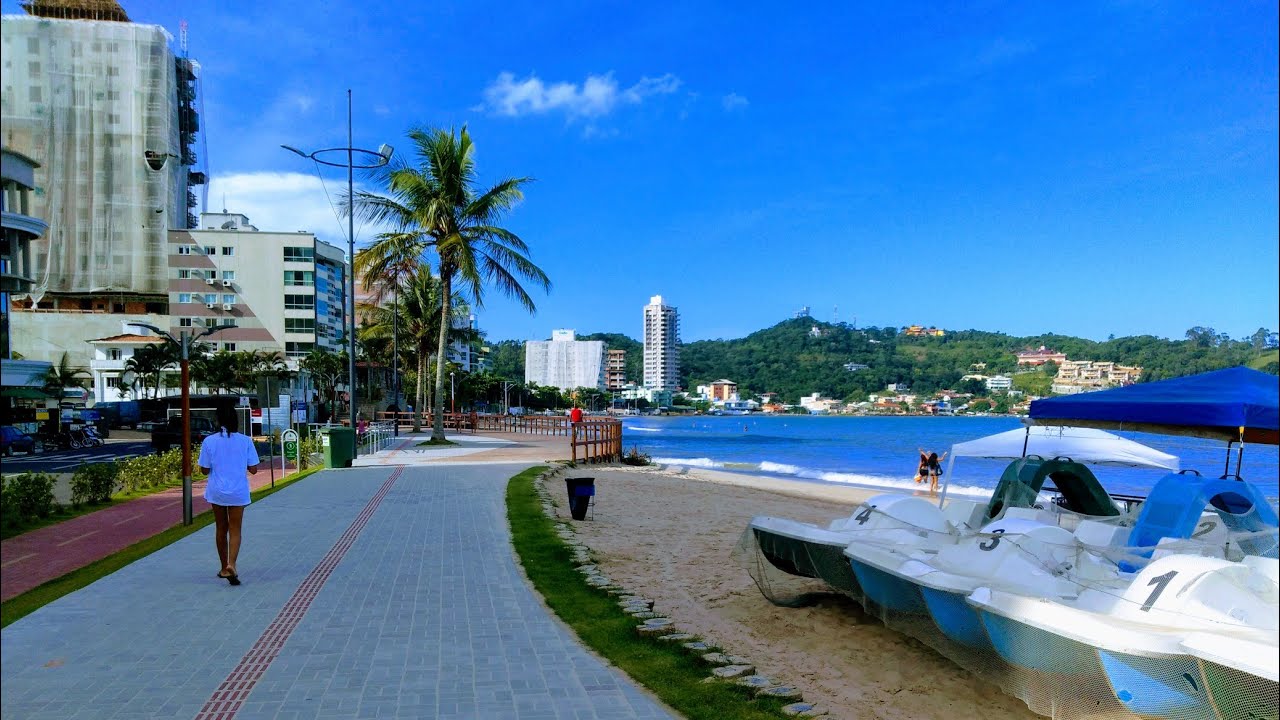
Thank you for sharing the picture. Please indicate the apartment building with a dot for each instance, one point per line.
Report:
(615, 371)
(282, 290)
(564, 362)
(1040, 356)
(1077, 376)
(18, 228)
(661, 345)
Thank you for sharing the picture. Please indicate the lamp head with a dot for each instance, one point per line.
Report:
(294, 150)
(385, 151)
(152, 328)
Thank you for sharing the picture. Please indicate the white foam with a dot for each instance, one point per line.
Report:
(641, 429)
(780, 468)
(690, 462)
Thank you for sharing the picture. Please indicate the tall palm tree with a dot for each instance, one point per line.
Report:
(435, 207)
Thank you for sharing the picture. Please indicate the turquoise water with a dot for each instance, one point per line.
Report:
(881, 452)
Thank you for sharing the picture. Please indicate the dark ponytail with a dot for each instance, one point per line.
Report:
(228, 419)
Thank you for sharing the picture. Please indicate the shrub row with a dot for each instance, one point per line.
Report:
(95, 483)
(26, 497)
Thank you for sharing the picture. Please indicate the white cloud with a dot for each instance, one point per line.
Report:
(287, 202)
(733, 101)
(597, 96)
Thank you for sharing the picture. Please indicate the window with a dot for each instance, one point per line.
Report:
(299, 302)
(230, 347)
(113, 353)
(299, 325)
(33, 45)
(184, 274)
(227, 250)
(298, 254)
(184, 322)
(228, 299)
(184, 249)
(212, 274)
(227, 321)
(298, 349)
(210, 250)
(228, 274)
(184, 297)
(303, 278)
(33, 94)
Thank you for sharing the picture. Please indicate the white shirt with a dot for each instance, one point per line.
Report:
(228, 459)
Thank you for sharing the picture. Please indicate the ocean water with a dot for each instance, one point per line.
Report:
(882, 452)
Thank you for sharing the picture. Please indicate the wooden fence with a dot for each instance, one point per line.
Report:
(600, 439)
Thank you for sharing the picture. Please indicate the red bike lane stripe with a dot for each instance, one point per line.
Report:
(225, 702)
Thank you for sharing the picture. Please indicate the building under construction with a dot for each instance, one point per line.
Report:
(108, 111)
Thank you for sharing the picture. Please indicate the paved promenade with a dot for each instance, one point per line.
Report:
(372, 592)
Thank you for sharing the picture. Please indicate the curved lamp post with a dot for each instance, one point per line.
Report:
(184, 341)
(369, 159)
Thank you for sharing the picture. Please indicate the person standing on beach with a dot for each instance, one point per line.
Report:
(935, 470)
(228, 458)
(922, 471)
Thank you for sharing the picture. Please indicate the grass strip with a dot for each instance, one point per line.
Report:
(668, 672)
(433, 441)
(37, 597)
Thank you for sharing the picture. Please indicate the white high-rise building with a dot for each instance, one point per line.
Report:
(661, 345)
(564, 362)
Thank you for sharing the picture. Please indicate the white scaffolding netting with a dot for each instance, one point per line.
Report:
(88, 100)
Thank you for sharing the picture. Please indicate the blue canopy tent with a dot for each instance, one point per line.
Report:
(1237, 405)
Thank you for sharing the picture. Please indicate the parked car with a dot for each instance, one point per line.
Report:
(14, 440)
(169, 433)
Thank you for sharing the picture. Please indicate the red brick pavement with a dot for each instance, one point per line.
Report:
(36, 557)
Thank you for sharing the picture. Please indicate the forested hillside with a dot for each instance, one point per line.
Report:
(802, 356)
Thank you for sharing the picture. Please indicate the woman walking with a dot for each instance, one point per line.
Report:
(228, 458)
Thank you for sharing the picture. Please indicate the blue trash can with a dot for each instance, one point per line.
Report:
(581, 490)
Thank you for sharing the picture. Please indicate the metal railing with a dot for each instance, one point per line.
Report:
(376, 436)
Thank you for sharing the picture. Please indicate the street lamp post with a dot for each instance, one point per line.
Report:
(395, 352)
(383, 156)
(184, 341)
(453, 398)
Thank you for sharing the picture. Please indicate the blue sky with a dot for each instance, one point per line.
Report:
(1081, 168)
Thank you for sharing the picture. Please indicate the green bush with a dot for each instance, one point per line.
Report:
(635, 457)
(30, 495)
(307, 448)
(94, 483)
(149, 472)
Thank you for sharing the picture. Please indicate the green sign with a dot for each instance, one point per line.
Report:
(289, 438)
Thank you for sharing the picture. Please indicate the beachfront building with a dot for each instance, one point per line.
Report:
(1079, 376)
(1040, 356)
(282, 290)
(722, 390)
(107, 110)
(111, 356)
(564, 362)
(922, 331)
(999, 382)
(661, 345)
(615, 370)
(818, 405)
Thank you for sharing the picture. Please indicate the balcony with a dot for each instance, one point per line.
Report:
(108, 365)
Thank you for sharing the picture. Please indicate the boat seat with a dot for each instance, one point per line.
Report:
(1177, 502)
(1101, 534)
(1027, 513)
(964, 514)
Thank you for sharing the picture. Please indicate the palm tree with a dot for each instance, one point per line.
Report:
(436, 207)
(419, 319)
(63, 376)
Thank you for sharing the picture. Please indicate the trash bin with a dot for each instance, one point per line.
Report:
(581, 490)
(339, 445)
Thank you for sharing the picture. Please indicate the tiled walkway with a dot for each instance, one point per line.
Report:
(415, 610)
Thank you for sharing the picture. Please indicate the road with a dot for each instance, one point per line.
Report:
(65, 461)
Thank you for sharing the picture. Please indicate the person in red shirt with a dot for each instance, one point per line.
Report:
(575, 415)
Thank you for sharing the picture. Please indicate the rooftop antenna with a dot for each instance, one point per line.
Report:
(224, 203)
(182, 37)
(835, 314)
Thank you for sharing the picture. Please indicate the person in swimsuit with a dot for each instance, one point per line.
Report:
(922, 472)
(935, 470)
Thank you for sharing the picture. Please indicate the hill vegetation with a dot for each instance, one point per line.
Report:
(802, 356)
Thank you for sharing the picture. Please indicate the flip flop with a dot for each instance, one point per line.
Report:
(233, 579)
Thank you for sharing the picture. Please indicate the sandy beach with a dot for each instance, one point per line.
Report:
(669, 535)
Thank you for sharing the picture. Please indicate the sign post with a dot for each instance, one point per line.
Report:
(289, 440)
